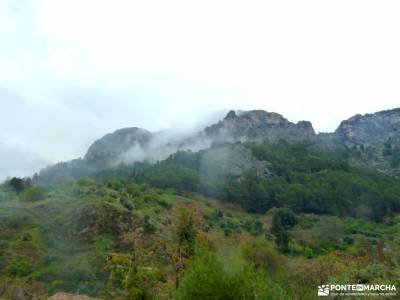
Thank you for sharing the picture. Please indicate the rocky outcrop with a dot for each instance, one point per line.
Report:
(65, 296)
(113, 145)
(135, 144)
(373, 140)
(370, 129)
(233, 160)
(258, 125)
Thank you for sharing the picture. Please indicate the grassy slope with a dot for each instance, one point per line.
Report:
(61, 242)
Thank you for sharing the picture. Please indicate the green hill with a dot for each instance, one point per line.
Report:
(236, 221)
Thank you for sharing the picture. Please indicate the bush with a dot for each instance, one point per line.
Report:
(126, 203)
(148, 226)
(287, 218)
(87, 181)
(20, 268)
(17, 220)
(33, 193)
(262, 255)
(281, 235)
(253, 226)
(208, 278)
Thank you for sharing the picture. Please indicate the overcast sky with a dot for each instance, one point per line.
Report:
(73, 70)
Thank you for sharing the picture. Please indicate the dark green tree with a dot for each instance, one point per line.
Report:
(280, 233)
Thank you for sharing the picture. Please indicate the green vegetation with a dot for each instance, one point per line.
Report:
(208, 276)
(394, 152)
(283, 220)
(303, 179)
(165, 232)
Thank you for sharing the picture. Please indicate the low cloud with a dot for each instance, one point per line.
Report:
(158, 65)
(18, 161)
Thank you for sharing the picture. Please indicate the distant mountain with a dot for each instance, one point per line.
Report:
(254, 185)
(370, 129)
(120, 146)
(114, 145)
(258, 125)
(371, 141)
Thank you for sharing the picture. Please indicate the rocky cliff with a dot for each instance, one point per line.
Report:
(372, 141)
(370, 129)
(258, 125)
(135, 144)
(113, 145)
(232, 159)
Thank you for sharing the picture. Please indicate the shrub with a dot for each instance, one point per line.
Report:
(126, 203)
(253, 226)
(18, 220)
(287, 217)
(262, 255)
(20, 268)
(208, 278)
(148, 226)
(33, 193)
(86, 181)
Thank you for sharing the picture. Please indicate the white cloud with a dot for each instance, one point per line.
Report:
(18, 161)
(87, 67)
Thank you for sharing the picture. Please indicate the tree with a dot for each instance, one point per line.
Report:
(137, 274)
(287, 217)
(280, 233)
(19, 184)
(186, 222)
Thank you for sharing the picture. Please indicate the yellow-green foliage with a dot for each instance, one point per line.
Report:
(121, 240)
(33, 193)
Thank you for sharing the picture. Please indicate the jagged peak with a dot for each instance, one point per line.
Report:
(118, 142)
(258, 125)
(230, 115)
(386, 112)
(256, 116)
(370, 128)
(128, 130)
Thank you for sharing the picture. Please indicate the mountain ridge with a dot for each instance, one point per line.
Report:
(272, 203)
(371, 140)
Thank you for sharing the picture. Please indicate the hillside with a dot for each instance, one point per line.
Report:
(253, 207)
(117, 239)
(371, 141)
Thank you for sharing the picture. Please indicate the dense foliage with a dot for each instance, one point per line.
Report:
(310, 181)
(166, 231)
(304, 179)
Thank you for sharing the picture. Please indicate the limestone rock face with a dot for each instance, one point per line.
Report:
(233, 160)
(112, 145)
(136, 144)
(258, 125)
(370, 129)
(373, 140)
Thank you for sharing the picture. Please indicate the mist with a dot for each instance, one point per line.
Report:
(195, 149)
(17, 161)
(160, 66)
